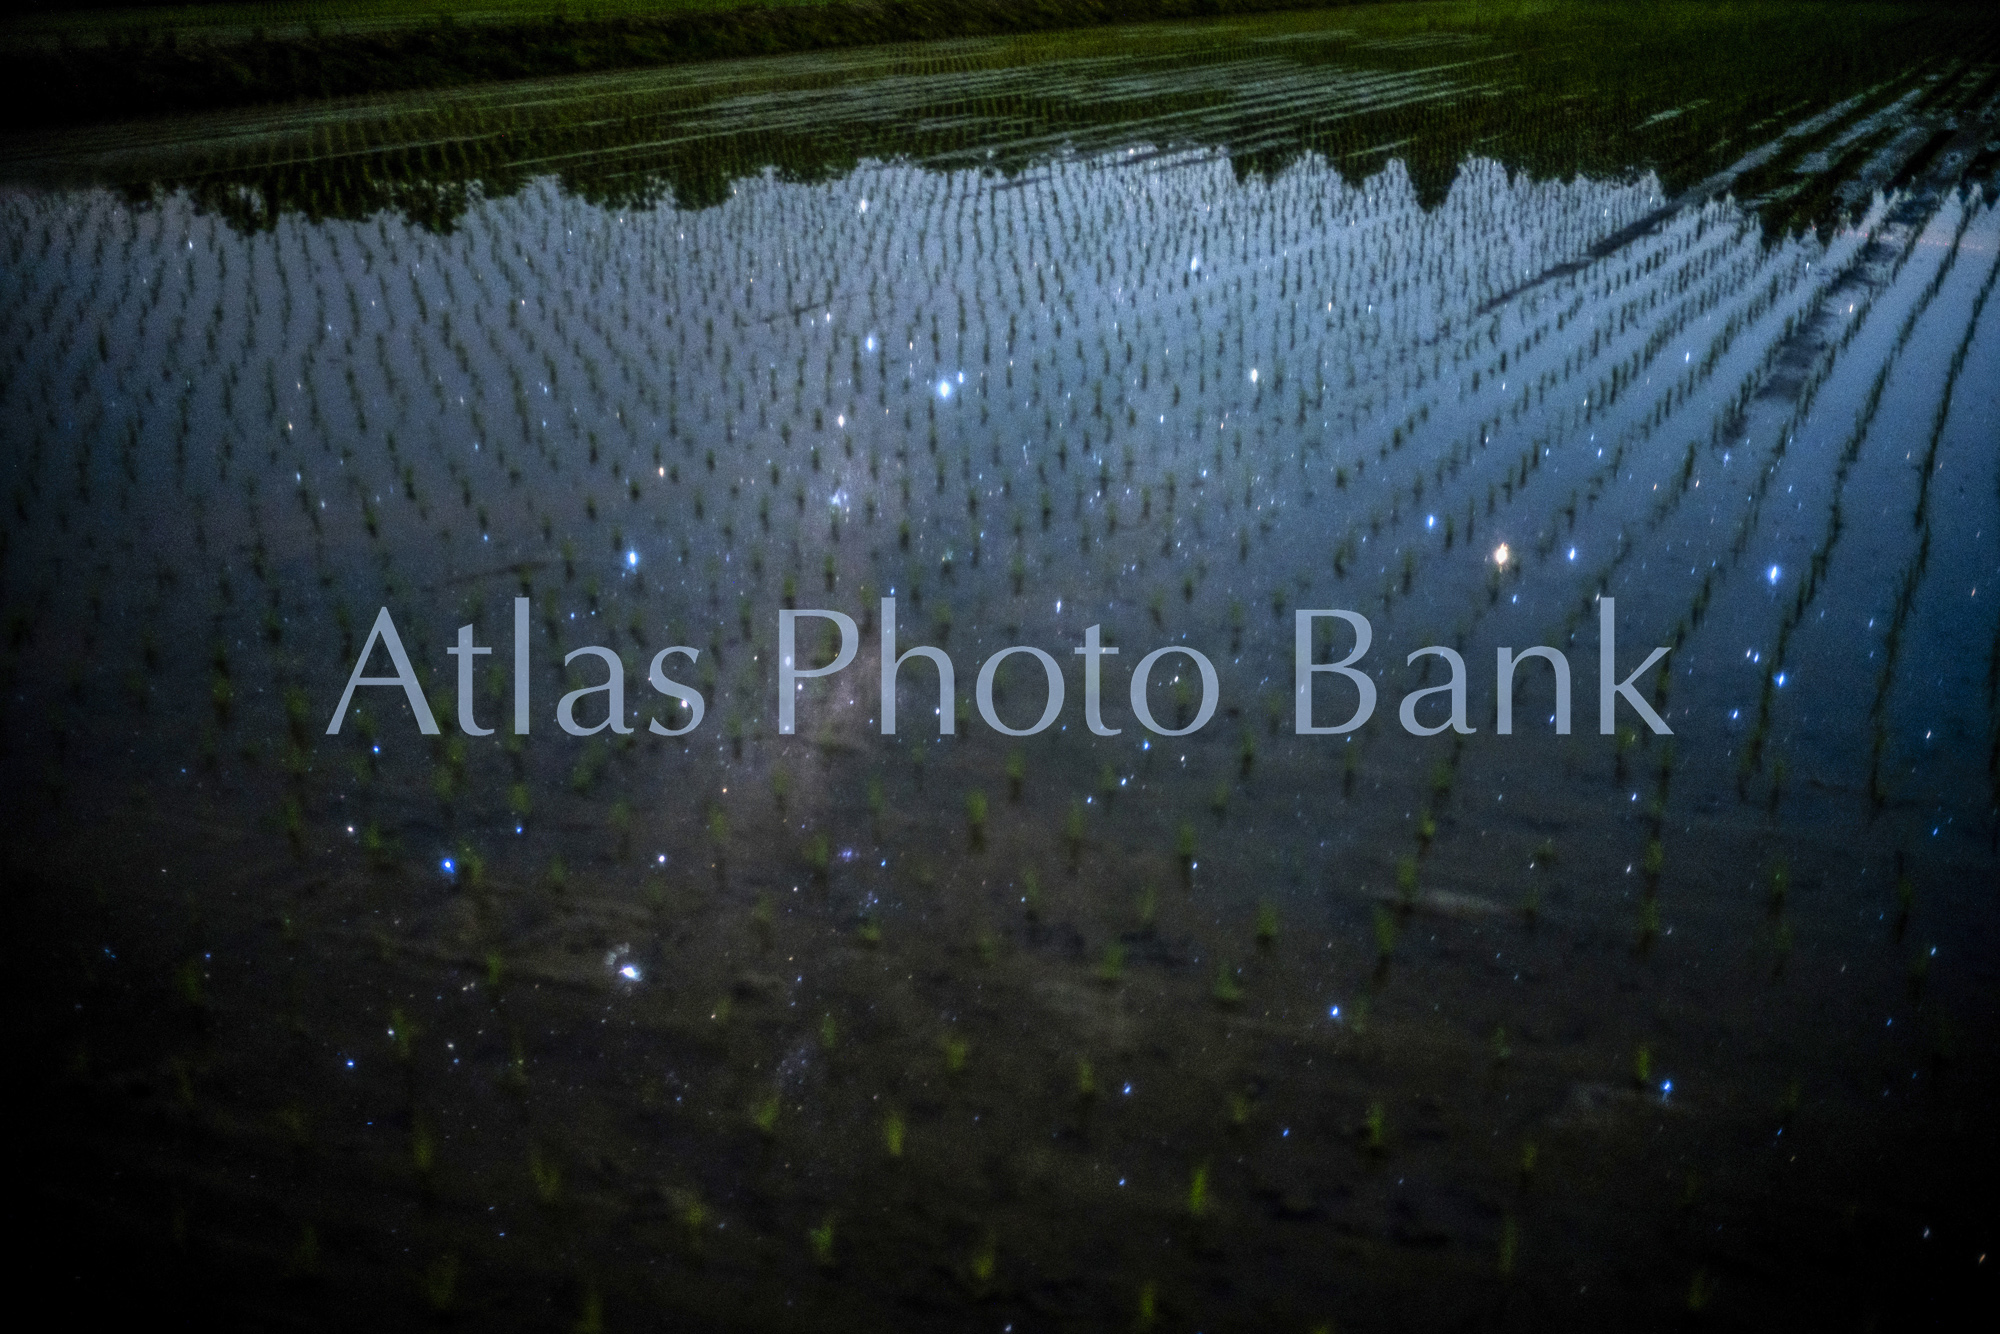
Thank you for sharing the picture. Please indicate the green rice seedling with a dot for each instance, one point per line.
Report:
(441, 1282)
(1107, 783)
(1544, 855)
(1111, 965)
(765, 1116)
(1510, 1244)
(1642, 1066)
(557, 876)
(1944, 1041)
(975, 815)
(1531, 905)
(423, 1148)
(1197, 1195)
(305, 1258)
(404, 1034)
(190, 982)
(1502, 1050)
(820, 1239)
(763, 919)
(545, 1174)
(1906, 903)
(1267, 925)
(1649, 922)
(1530, 1156)
(516, 1075)
(1441, 780)
(1239, 1111)
(1780, 884)
(1627, 742)
(694, 1221)
(1385, 934)
(818, 855)
(621, 825)
(988, 945)
(893, 1131)
(1218, 800)
(1919, 974)
(1147, 1313)
(1073, 831)
(1184, 845)
(829, 1032)
(955, 1050)
(1017, 774)
(1086, 1080)
(1374, 1129)
(1226, 991)
(1031, 894)
(1426, 828)
(590, 1316)
(781, 786)
(297, 1126)
(1406, 881)
(983, 1265)
(1147, 908)
(1701, 1291)
(1653, 860)
(869, 933)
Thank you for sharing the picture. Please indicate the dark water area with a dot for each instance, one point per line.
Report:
(1475, 326)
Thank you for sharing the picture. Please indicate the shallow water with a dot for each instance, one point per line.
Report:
(1233, 1028)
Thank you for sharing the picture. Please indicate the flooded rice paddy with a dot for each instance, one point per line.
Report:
(1472, 328)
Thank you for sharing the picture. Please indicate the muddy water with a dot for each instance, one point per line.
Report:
(1233, 1028)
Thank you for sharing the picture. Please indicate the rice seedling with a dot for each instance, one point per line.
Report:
(1227, 991)
(975, 815)
(1375, 1129)
(1086, 1080)
(820, 1240)
(423, 1149)
(1779, 880)
(1385, 934)
(1146, 908)
(545, 1175)
(1031, 894)
(893, 1132)
(1146, 1310)
(304, 1263)
(440, 1283)
(982, 1266)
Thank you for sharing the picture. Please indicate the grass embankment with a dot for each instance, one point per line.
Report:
(97, 71)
